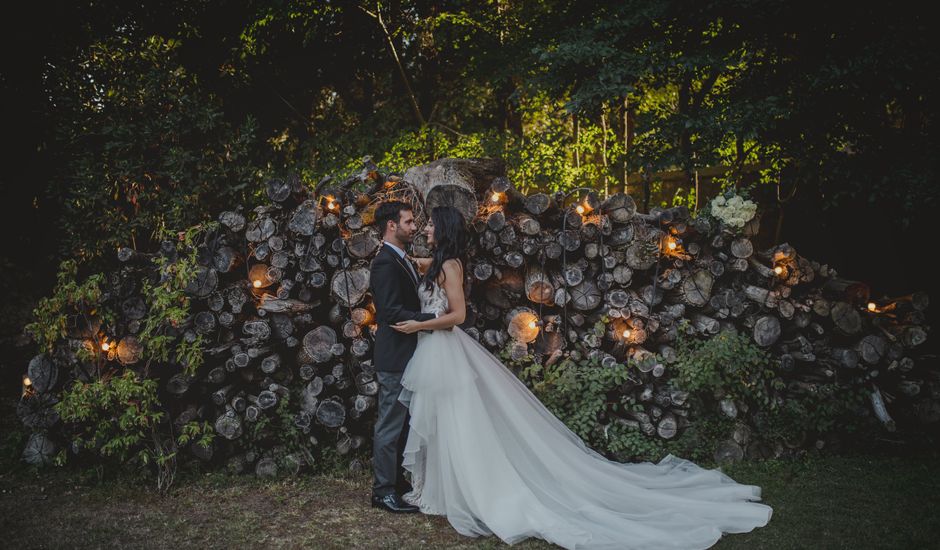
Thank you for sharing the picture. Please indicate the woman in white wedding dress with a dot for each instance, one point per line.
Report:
(483, 451)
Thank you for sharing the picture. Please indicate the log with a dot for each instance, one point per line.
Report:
(42, 372)
(228, 425)
(846, 318)
(538, 287)
(179, 383)
(331, 414)
(742, 248)
(40, 450)
(349, 286)
(539, 203)
(234, 221)
(766, 330)
(281, 190)
(619, 207)
(496, 221)
(220, 396)
(696, 288)
(205, 282)
(586, 296)
(728, 451)
(845, 290)
(526, 224)
(267, 399)
(454, 182)
(667, 427)
(303, 220)
(641, 255)
(844, 357)
(362, 245)
(272, 304)
(270, 363)
(36, 411)
(881, 412)
(913, 336)
(871, 349)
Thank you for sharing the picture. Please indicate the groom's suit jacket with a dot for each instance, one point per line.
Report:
(395, 294)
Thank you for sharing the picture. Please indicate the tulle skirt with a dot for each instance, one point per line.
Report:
(484, 452)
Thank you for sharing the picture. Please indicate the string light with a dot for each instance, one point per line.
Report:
(495, 197)
(671, 244)
(105, 346)
(778, 269)
(258, 275)
(580, 209)
(524, 326)
(626, 333)
(331, 205)
(872, 306)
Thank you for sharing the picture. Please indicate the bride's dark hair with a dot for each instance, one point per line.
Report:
(450, 240)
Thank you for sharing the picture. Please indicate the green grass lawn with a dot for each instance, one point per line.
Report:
(819, 502)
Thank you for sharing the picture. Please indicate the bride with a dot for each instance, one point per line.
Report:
(483, 451)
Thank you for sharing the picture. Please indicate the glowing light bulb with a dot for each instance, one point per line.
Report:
(494, 197)
(331, 205)
(105, 346)
(671, 244)
(256, 283)
(27, 381)
(533, 324)
(872, 306)
(580, 209)
(778, 270)
(626, 333)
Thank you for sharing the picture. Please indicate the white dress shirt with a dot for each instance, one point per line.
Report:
(401, 254)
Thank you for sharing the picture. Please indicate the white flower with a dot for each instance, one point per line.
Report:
(734, 212)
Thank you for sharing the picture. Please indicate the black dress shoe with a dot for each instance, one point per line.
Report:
(393, 503)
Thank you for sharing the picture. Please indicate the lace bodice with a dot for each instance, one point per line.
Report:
(434, 300)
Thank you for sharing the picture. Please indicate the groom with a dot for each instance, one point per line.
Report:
(394, 285)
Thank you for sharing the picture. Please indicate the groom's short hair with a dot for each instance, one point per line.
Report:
(390, 211)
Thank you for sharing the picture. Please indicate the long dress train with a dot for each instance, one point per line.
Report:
(487, 454)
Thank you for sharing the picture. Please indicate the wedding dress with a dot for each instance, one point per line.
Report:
(483, 451)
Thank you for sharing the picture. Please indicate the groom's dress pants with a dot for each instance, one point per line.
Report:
(391, 433)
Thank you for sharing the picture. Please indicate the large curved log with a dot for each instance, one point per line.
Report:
(455, 182)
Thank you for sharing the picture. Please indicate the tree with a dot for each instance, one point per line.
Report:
(145, 148)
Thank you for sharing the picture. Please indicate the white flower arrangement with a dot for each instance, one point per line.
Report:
(733, 211)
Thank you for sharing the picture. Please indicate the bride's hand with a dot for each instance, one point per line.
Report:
(408, 327)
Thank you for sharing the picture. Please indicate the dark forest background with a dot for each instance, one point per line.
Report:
(125, 118)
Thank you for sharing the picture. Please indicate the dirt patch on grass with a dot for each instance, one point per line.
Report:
(215, 511)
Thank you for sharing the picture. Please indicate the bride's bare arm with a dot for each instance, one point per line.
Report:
(457, 312)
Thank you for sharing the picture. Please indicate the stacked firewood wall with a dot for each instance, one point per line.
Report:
(282, 301)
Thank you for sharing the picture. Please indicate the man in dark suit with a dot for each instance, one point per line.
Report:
(394, 285)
